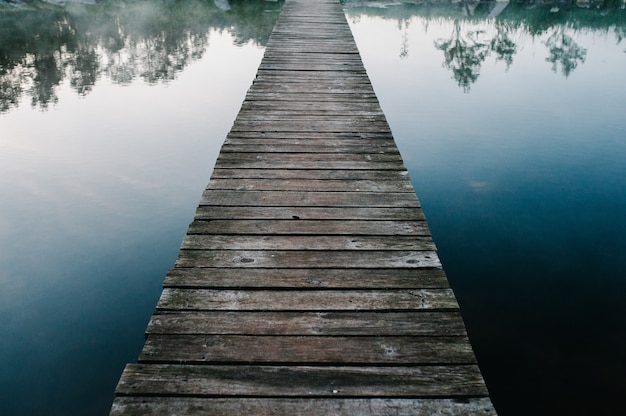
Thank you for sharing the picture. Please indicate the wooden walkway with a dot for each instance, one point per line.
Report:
(308, 283)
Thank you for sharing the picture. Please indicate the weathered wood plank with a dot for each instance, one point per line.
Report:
(159, 406)
(309, 146)
(212, 212)
(371, 158)
(312, 185)
(316, 242)
(308, 199)
(344, 323)
(331, 89)
(306, 300)
(310, 174)
(307, 278)
(368, 138)
(364, 121)
(352, 228)
(319, 350)
(320, 97)
(301, 381)
(307, 259)
(310, 162)
(308, 77)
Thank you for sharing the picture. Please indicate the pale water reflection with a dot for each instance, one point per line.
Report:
(511, 124)
(104, 152)
(45, 47)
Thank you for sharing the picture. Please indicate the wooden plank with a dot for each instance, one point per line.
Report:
(307, 259)
(304, 76)
(302, 381)
(295, 158)
(351, 228)
(368, 138)
(354, 161)
(307, 278)
(306, 300)
(312, 184)
(312, 108)
(212, 212)
(319, 97)
(343, 323)
(159, 406)
(308, 199)
(315, 242)
(302, 350)
(306, 163)
(310, 174)
(268, 145)
(377, 120)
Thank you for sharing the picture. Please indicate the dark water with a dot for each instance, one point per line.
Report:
(514, 134)
(510, 118)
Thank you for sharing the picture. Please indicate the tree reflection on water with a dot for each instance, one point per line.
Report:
(464, 54)
(469, 45)
(564, 52)
(40, 48)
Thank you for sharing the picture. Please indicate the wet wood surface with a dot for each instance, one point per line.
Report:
(308, 282)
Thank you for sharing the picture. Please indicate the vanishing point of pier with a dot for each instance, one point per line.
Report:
(308, 282)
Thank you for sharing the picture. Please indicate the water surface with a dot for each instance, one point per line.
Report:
(510, 119)
(111, 118)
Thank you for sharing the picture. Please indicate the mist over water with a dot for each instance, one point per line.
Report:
(46, 47)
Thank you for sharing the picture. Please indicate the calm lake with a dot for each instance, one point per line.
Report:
(509, 116)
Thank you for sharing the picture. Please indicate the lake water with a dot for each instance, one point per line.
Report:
(510, 118)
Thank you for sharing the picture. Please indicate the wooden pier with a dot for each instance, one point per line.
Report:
(308, 282)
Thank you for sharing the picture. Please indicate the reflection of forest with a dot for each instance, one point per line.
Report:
(44, 45)
(467, 48)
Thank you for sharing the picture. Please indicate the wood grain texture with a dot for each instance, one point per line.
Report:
(217, 212)
(340, 278)
(308, 282)
(158, 406)
(312, 185)
(333, 323)
(307, 300)
(248, 198)
(307, 259)
(319, 350)
(301, 381)
(299, 226)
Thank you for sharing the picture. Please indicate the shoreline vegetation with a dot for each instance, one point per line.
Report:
(43, 47)
(44, 43)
